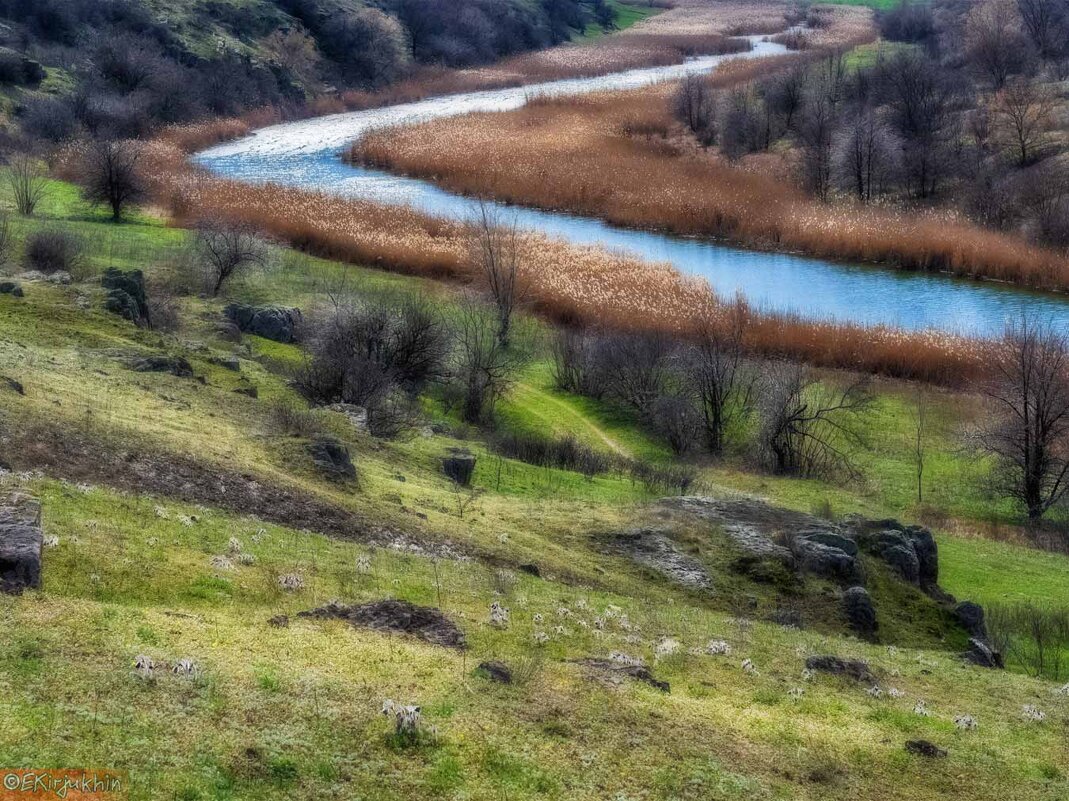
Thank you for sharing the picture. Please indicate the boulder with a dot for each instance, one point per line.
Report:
(332, 458)
(12, 384)
(902, 559)
(925, 749)
(356, 415)
(983, 655)
(423, 622)
(927, 555)
(126, 295)
(826, 561)
(231, 363)
(971, 618)
(837, 666)
(832, 540)
(61, 277)
(21, 539)
(531, 569)
(174, 365)
(11, 288)
(459, 465)
(276, 323)
(860, 612)
(636, 672)
(496, 671)
(655, 551)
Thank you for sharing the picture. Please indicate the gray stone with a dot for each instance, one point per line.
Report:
(980, 653)
(21, 539)
(827, 561)
(832, 540)
(174, 365)
(12, 384)
(750, 525)
(496, 671)
(655, 551)
(10, 288)
(925, 749)
(971, 618)
(837, 666)
(332, 458)
(927, 555)
(126, 295)
(276, 323)
(459, 465)
(356, 415)
(860, 612)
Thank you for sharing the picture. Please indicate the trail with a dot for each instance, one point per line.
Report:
(612, 444)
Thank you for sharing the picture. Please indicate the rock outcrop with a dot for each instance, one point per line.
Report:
(459, 465)
(332, 458)
(428, 624)
(860, 612)
(655, 551)
(276, 323)
(126, 295)
(21, 539)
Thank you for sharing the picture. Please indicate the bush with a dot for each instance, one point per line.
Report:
(53, 250)
(1035, 637)
(564, 453)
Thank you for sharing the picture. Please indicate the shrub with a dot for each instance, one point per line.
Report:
(1034, 636)
(53, 250)
(564, 453)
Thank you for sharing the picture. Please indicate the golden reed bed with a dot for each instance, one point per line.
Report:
(571, 284)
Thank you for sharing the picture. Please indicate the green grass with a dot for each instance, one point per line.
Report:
(627, 14)
(294, 712)
(881, 5)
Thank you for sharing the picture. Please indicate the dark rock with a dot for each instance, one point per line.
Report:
(276, 323)
(531, 569)
(826, 561)
(174, 365)
(20, 544)
(126, 295)
(655, 551)
(851, 668)
(332, 458)
(765, 570)
(832, 540)
(279, 621)
(10, 288)
(925, 749)
(497, 671)
(12, 384)
(459, 465)
(249, 391)
(981, 654)
(232, 363)
(356, 415)
(423, 622)
(927, 555)
(971, 618)
(18, 69)
(860, 612)
(636, 672)
(902, 559)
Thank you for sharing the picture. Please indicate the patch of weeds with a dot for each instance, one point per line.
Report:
(446, 774)
(767, 697)
(702, 780)
(441, 709)
(507, 770)
(147, 636)
(269, 681)
(283, 770)
(210, 588)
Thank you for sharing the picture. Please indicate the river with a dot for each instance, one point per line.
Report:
(307, 154)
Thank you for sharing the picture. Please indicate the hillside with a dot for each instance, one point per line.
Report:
(188, 527)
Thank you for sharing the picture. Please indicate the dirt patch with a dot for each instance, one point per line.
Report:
(617, 670)
(429, 625)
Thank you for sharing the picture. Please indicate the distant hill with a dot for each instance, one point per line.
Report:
(124, 66)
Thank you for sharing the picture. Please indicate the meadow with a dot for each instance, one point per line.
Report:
(294, 712)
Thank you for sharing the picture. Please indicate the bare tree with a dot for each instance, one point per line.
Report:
(1025, 112)
(815, 133)
(109, 175)
(695, 107)
(717, 372)
(1047, 24)
(29, 183)
(920, 431)
(226, 250)
(994, 41)
(635, 369)
(809, 428)
(496, 253)
(1027, 433)
(864, 153)
(484, 367)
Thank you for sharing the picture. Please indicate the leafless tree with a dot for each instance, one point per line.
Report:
(484, 367)
(1027, 434)
(1047, 25)
(109, 174)
(695, 106)
(496, 252)
(719, 375)
(29, 183)
(226, 250)
(994, 41)
(864, 153)
(1024, 112)
(815, 133)
(920, 432)
(635, 369)
(809, 428)
(786, 94)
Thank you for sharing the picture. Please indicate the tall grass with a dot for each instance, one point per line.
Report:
(582, 155)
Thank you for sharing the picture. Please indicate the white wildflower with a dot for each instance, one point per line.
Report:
(186, 667)
(541, 638)
(234, 545)
(363, 563)
(221, 563)
(246, 559)
(144, 666)
(718, 648)
(537, 618)
(965, 722)
(499, 615)
(291, 582)
(921, 708)
(894, 692)
(625, 659)
(875, 691)
(51, 541)
(563, 611)
(807, 674)
(1033, 714)
(796, 692)
(406, 717)
(749, 668)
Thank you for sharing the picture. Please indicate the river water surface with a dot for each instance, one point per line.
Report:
(307, 154)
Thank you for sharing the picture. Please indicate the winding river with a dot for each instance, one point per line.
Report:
(307, 154)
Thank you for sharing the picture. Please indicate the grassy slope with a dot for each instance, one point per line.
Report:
(626, 16)
(292, 713)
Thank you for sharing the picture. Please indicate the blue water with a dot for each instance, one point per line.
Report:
(306, 154)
